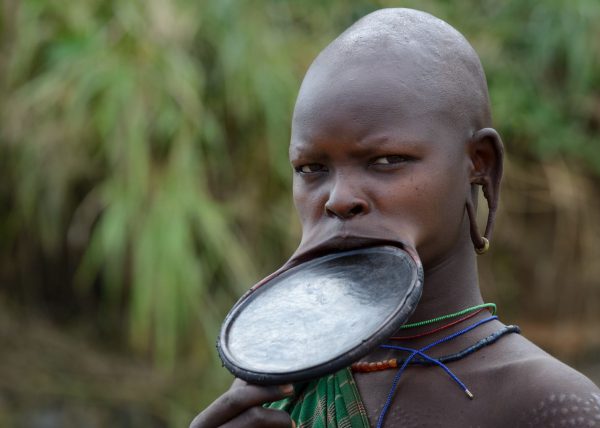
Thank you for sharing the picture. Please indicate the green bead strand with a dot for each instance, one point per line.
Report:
(455, 314)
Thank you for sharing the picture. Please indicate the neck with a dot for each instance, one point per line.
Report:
(450, 285)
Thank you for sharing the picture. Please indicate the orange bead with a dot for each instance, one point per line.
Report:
(366, 367)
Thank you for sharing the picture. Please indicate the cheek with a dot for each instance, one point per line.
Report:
(299, 199)
(445, 201)
(307, 202)
(431, 205)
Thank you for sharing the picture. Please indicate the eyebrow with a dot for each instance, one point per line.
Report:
(365, 145)
(391, 142)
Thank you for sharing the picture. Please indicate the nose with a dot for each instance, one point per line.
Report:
(345, 202)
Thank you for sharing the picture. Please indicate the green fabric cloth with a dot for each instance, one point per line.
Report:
(330, 401)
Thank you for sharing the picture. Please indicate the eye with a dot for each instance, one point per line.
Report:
(391, 160)
(311, 168)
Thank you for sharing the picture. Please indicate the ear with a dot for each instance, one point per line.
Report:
(487, 156)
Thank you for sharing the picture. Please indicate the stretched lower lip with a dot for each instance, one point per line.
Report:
(337, 244)
(343, 243)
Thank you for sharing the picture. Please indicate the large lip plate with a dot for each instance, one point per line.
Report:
(384, 330)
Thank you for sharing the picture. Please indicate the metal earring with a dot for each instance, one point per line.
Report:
(485, 248)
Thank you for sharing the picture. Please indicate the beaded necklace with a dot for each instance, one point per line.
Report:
(491, 306)
(365, 367)
(419, 357)
(392, 363)
(421, 352)
(444, 327)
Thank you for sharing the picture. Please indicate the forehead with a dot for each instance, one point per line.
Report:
(372, 102)
(395, 69)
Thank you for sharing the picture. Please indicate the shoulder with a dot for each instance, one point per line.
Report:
(544, 392)
(555, 394)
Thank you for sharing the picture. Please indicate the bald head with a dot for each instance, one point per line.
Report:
(399, 53)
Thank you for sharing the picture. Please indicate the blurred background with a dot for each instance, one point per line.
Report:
(145, 185)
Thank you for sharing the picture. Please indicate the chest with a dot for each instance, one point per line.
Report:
(428, 397)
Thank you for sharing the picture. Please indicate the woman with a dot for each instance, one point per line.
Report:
(391, 139)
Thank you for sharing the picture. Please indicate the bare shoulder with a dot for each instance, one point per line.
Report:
(544, 392)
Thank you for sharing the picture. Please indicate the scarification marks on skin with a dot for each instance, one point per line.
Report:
(566, 410)
(413, 418)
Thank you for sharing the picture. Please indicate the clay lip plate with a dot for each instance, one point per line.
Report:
(320, 315)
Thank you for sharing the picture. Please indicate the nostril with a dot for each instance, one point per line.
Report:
(355, 210)
(345, 212)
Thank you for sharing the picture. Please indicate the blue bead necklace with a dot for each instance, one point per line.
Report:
(419, 354)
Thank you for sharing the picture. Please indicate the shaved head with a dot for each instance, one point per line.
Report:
(403, 89)
(403, 52)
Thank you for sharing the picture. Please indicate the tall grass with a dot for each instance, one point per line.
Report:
(126, 124)
(146, 142)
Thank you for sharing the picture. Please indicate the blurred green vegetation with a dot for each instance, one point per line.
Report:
(145, 182)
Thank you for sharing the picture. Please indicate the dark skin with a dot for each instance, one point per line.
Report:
(380, 151)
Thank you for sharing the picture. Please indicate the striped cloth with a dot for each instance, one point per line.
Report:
(330, 401)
